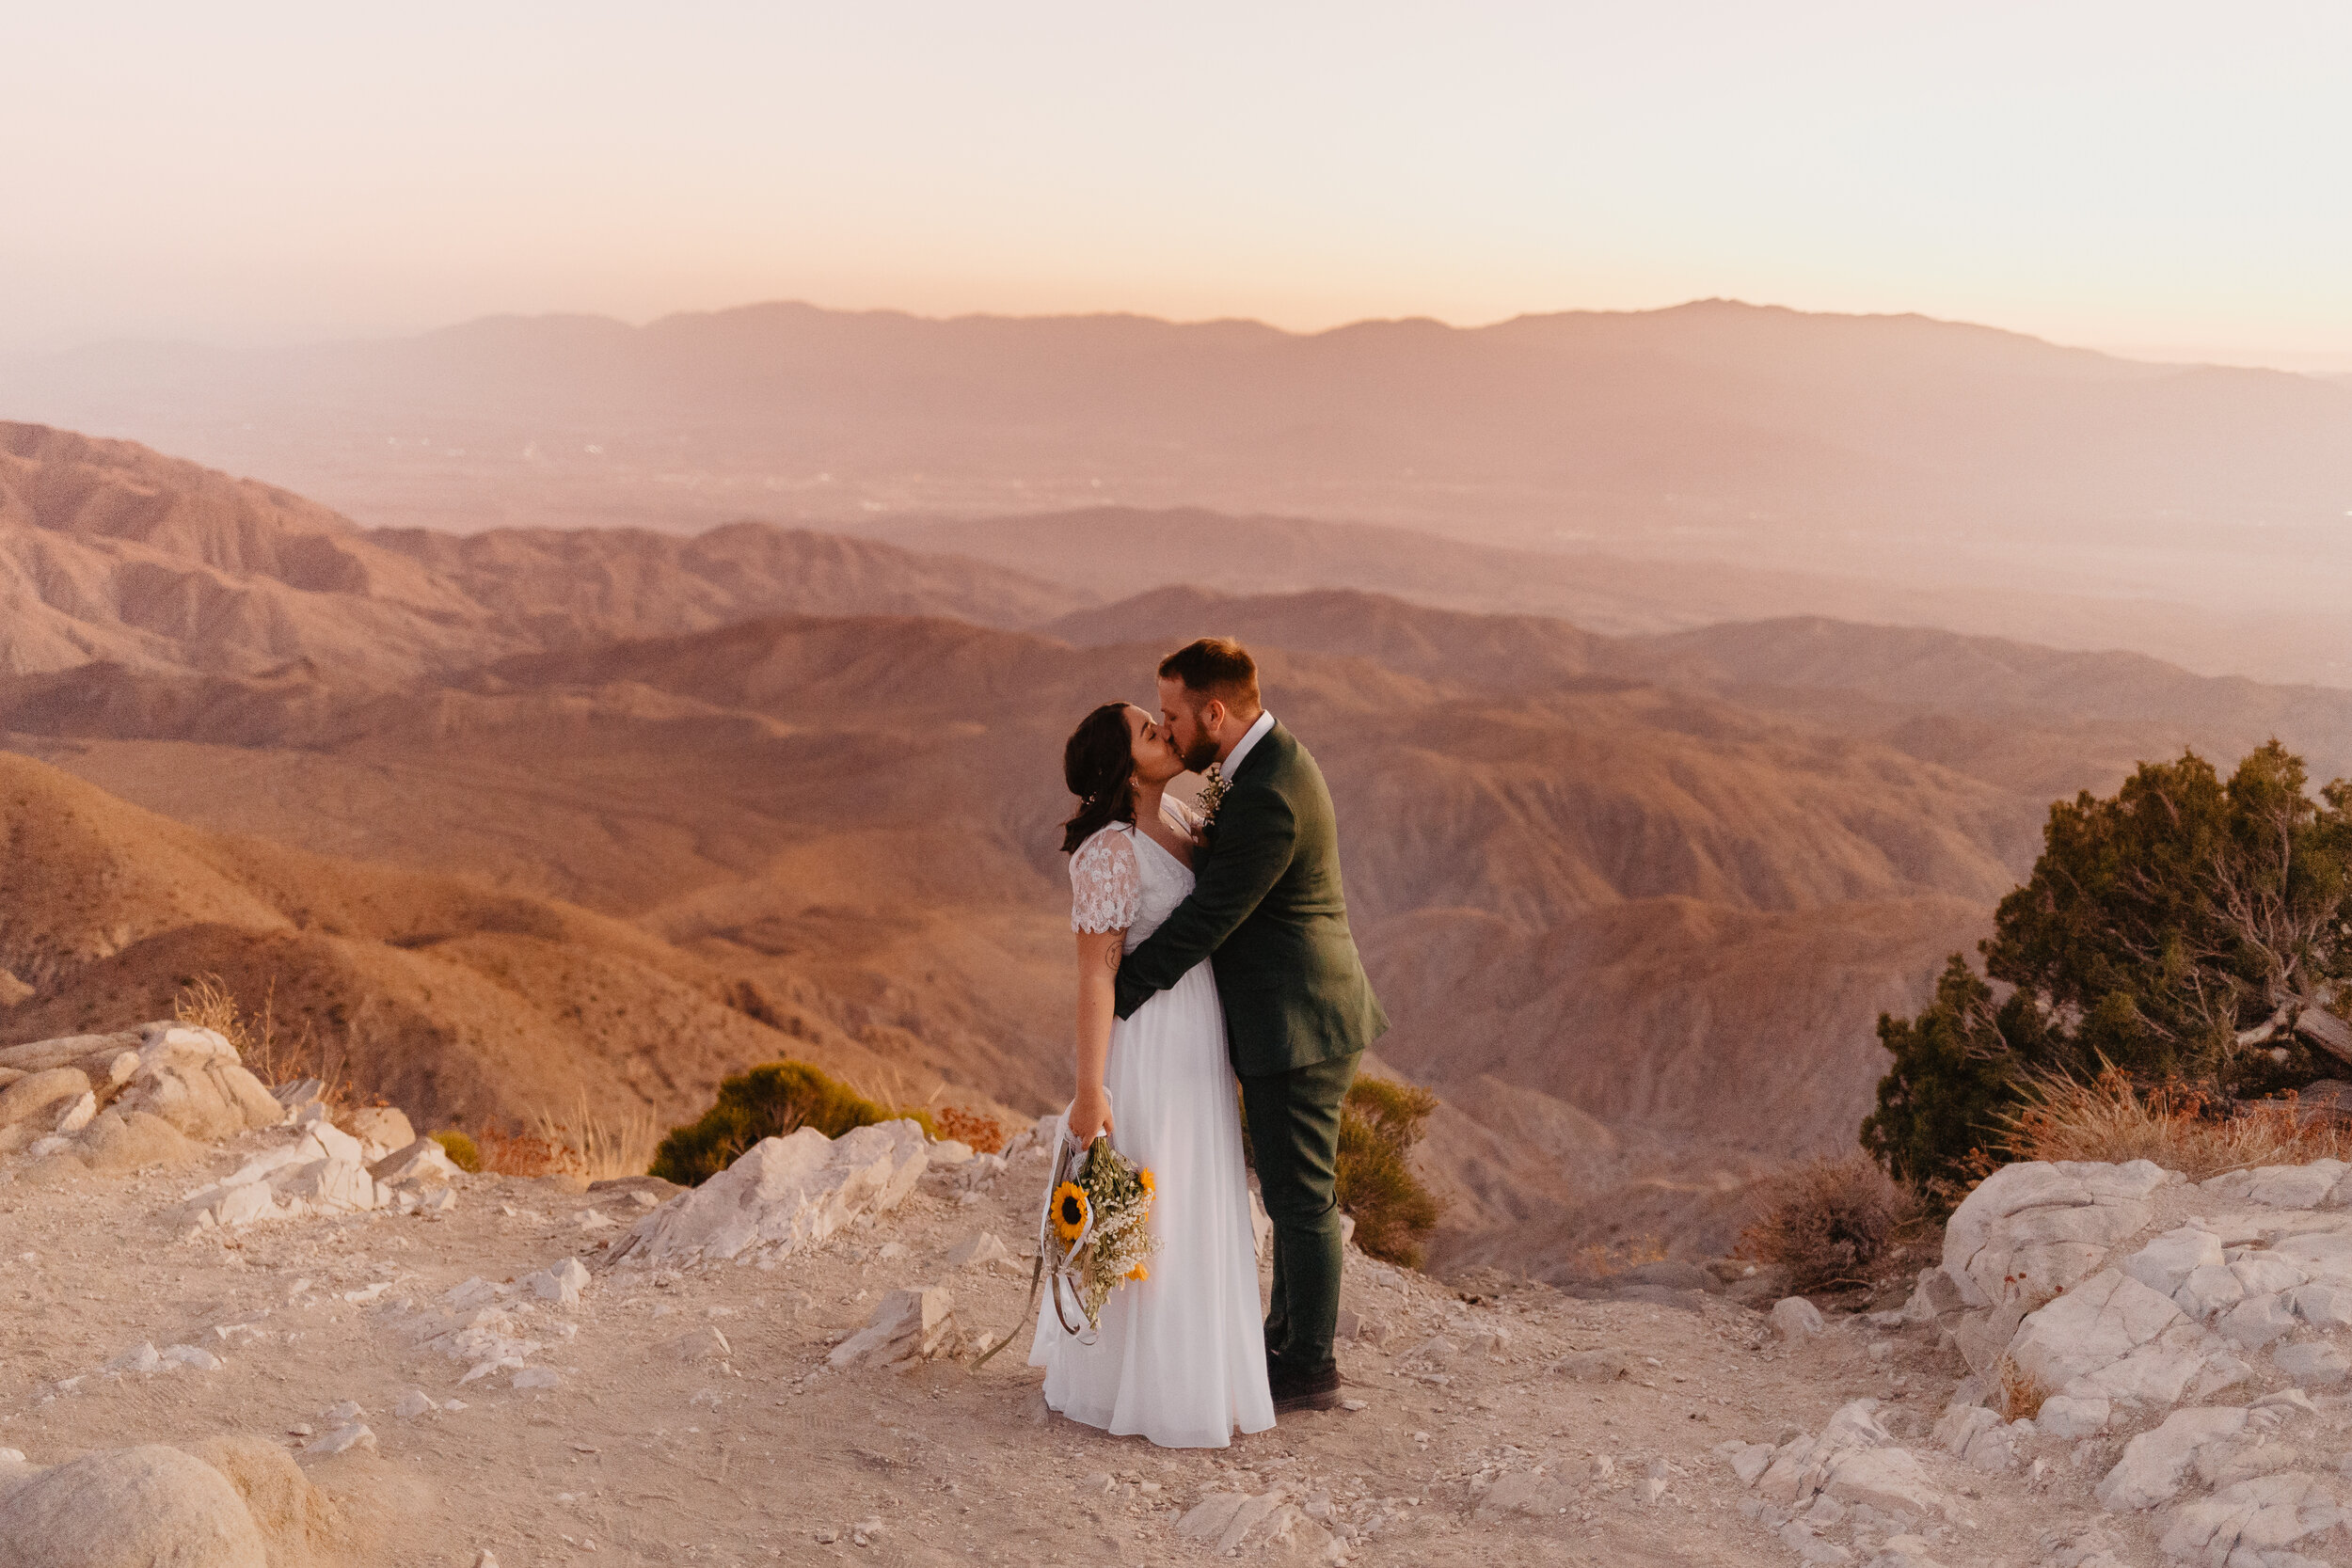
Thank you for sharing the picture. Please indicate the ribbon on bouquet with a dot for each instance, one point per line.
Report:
(1060, 1272)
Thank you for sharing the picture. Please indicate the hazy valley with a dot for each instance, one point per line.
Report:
(523, 816)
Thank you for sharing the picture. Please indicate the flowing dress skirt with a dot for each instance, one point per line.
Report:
(1182, 1355)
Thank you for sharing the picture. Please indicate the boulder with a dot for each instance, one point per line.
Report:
(71, 1050)
(2030, 1230)
(380, 1129)
(702, 1344)
(419, 1159)
(782, 1195)
(192, 1079)
(130, 1140)
(1795, 1317)
(2091, 1328)
(41, 1097)
(2164, 1264)
(907, 1326)
(2155, 1463)
(2312, 1365)
(300, 1525)
(129, 1508)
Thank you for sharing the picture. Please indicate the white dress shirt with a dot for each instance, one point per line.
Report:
(1256, 733)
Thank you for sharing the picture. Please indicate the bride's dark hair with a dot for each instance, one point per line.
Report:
(1097, 764)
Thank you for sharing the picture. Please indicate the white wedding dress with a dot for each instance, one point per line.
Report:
(1182, 1355)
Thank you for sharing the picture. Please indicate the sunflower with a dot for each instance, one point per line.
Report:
(1139, 1272)
(1150, 1186)
(1070, 1211)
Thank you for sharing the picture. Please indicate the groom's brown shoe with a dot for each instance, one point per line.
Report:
(1314, 1391)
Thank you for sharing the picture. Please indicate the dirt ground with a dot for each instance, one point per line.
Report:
(641, 1454)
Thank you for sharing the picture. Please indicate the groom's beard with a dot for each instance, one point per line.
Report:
(1200, 755)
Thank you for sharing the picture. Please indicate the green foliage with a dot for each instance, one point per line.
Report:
(460, 1150)
(769, 1102)
(2157, 926)
(1956, 1070)
(1379, 1124)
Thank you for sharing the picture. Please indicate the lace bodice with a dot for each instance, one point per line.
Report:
(1119, 879)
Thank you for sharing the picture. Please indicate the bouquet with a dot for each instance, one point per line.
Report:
(1094, 1221)
(1091, 1238)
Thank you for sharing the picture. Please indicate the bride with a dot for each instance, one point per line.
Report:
(1181, 1358)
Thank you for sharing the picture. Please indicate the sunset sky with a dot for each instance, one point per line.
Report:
(2151, 177)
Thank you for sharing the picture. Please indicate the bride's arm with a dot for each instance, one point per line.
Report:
(1097, 982)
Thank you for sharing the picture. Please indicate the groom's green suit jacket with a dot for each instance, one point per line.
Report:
(1267, 909)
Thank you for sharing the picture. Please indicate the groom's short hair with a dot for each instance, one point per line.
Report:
(1216, 667)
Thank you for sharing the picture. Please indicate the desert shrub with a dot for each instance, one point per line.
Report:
(984, 1133)
(506, 1153)
(2113, 1119)
(1379, 1124)
(1827, 1222)
(766, 1103)
(461, 1149)
(2163, 933)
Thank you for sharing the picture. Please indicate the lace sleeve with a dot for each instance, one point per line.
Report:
(1105, 884)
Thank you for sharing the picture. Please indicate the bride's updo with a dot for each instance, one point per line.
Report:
(1099, 766)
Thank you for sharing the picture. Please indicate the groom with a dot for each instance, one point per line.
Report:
(1267, 908)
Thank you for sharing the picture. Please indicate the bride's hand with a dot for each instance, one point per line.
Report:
(1090, 1115)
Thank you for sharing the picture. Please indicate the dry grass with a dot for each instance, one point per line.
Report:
(602, 1146)
(270, 1052)
(984, 1133)
(2021, 1396)
(2113, 1119)
(1828, 1222)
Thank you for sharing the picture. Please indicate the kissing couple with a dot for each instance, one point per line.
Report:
(1213, 952)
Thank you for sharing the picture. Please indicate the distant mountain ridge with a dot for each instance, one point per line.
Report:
(110, 551)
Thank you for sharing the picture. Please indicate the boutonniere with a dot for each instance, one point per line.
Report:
(1212, 794)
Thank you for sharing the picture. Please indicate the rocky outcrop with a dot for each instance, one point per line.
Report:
(127, 1508)
(2190, 1318)
(780, 1196)
(83, 1092)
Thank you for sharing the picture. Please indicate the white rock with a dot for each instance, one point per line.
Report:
(342, 1440)
(2070, 1418)
(559, 1283)
(421, 1161)
(2322, 1305)
(2208, 1289)
(950, 1152)
(2278, 1186)
(191, 1356)
(2032, 1230)
(330, 1142)
(2256, 1320)
(536, 1377)
(2263, 1515)
(2265, 1274)
(1795, 1317)
(78, 1114)
(2312, 1365)
(1749, 1461)
(330, 1186)
(2155, 1463)
(1889, 1480)
(906, 1327)
(980, 1249)
(2100, 1322)
(414, 1403)
(782, 1195)
(2164, 1264)
(380, 1130)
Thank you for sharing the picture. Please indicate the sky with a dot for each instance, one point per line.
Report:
(2151, 177)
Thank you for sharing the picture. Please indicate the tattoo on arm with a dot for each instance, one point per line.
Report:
(1110, 958)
